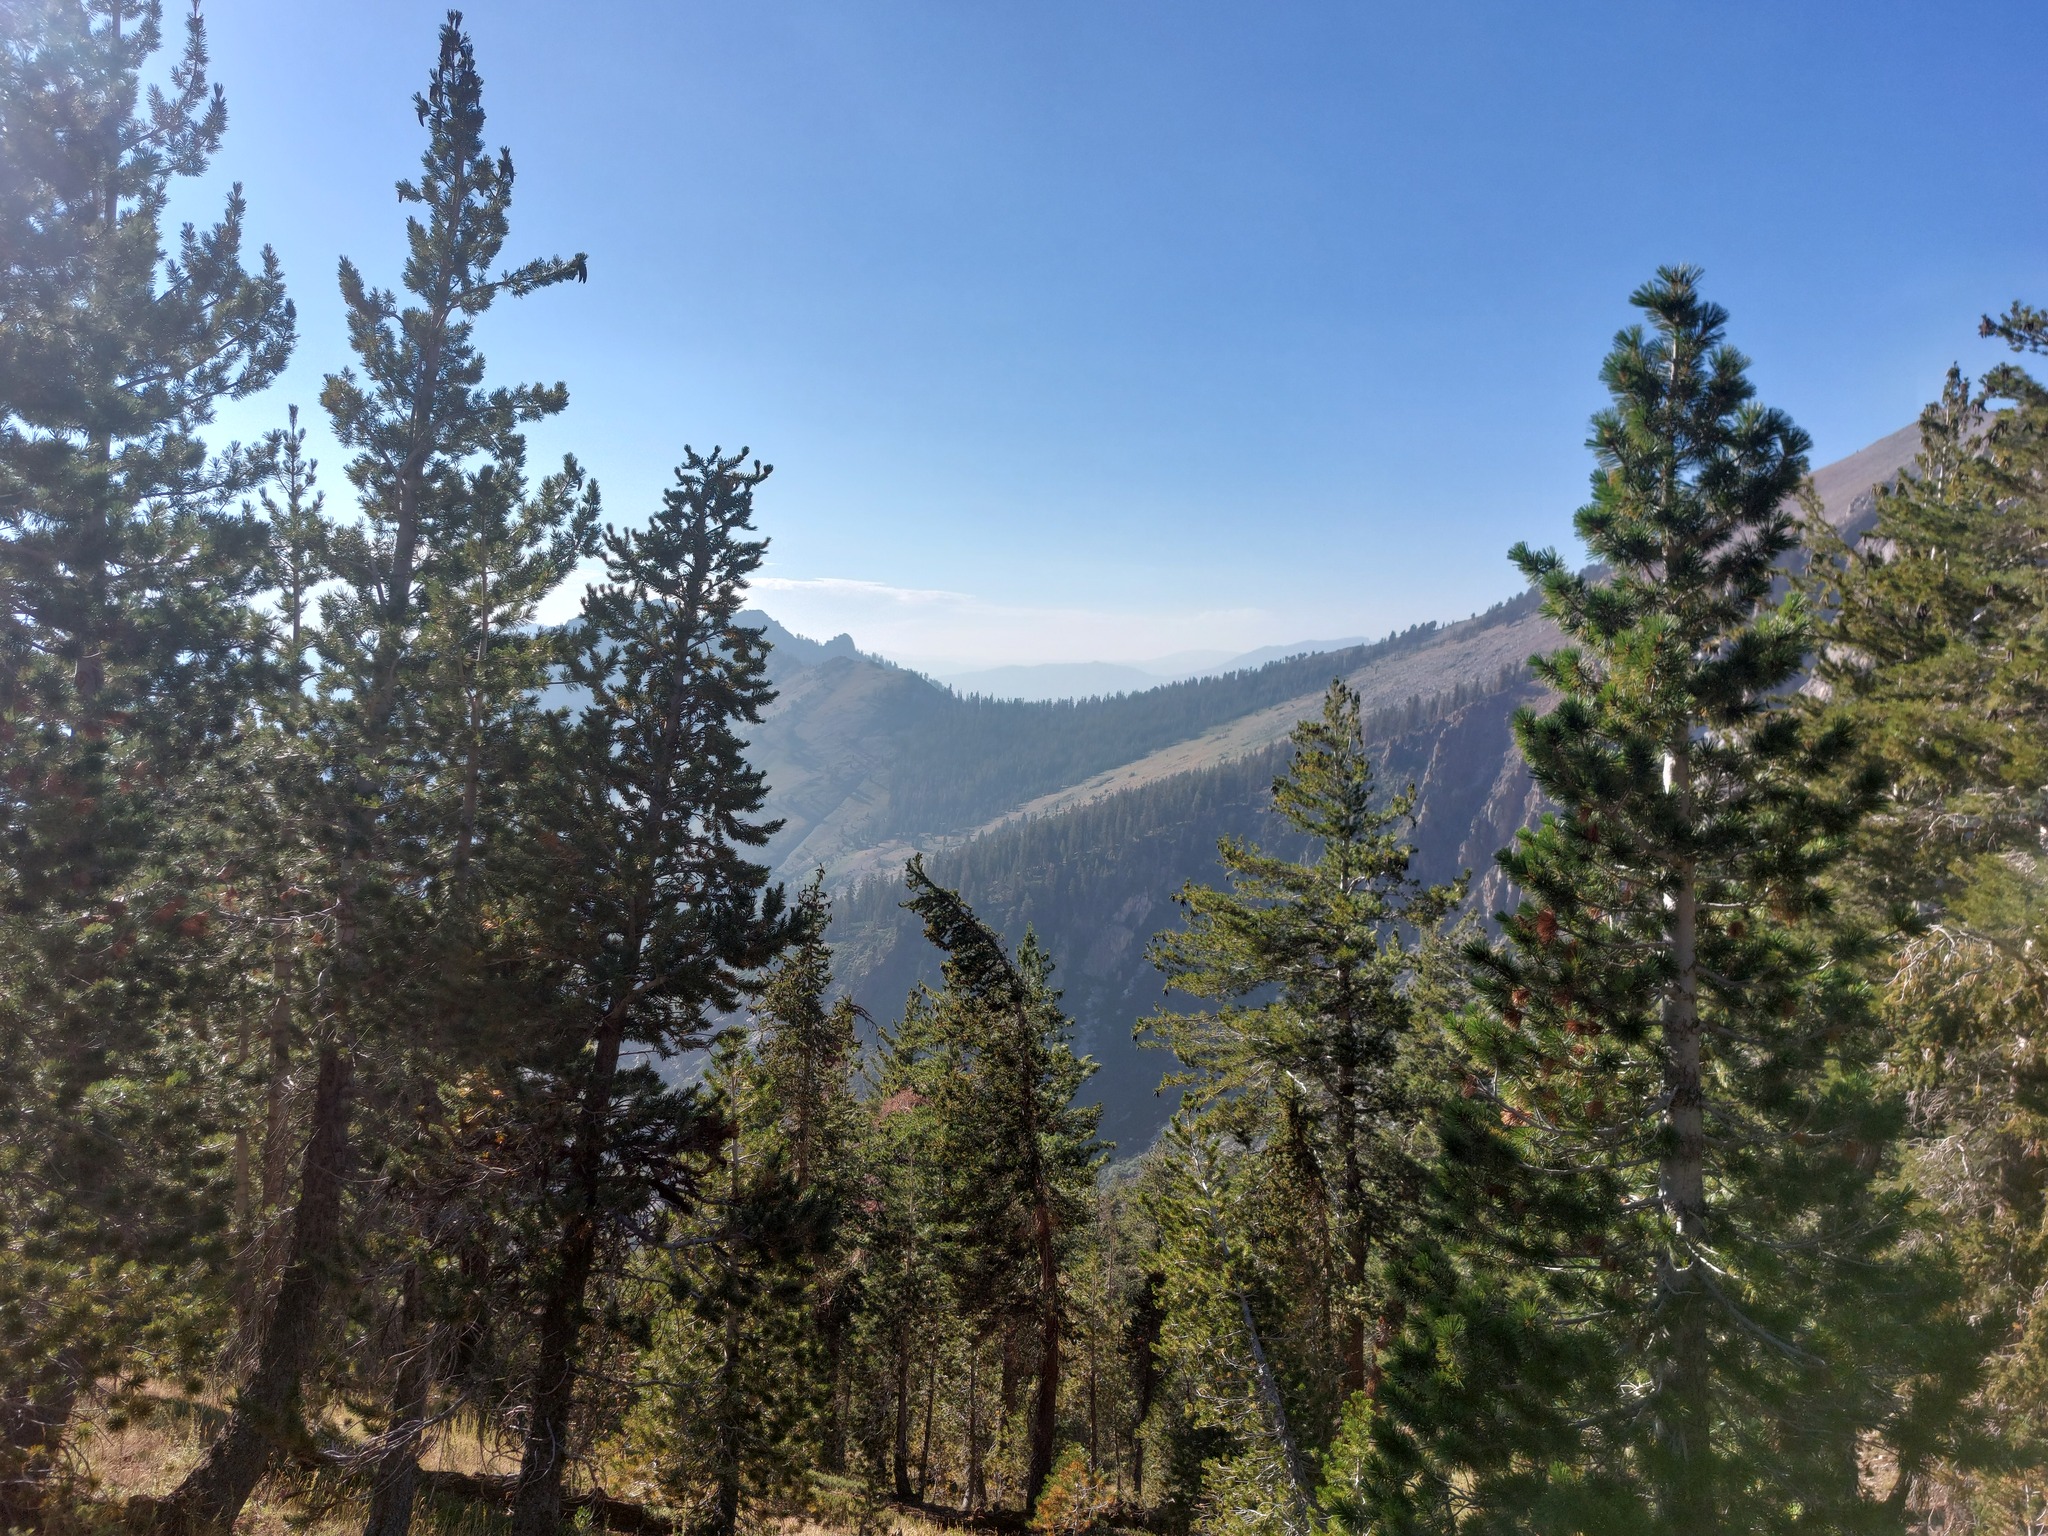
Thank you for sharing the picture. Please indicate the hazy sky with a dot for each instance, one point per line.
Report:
(1105, 330)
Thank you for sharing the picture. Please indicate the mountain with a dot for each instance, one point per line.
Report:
(869, 761)
(1081, 817)
(789, 652)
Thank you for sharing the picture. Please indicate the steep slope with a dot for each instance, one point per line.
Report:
(868, 761)
(1097, 881)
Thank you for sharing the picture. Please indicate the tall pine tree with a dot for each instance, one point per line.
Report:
(126, 638)
(1936, 658)
(1684, 1308)
(1312, 1058)
(426, 436)
(663, 917)
(1019, 1153)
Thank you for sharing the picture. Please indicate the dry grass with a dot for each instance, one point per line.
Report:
(142, 1452)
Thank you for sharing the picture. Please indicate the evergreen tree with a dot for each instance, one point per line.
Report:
(802, 1080)
(752, 1326)
(662, 917)
(469, 828)
(125, 644)
(1206, 1204)
(1935, 658)
(428, 438)
(805, 1119)
(912, 1238)
(1313, 1060)
(1685, 1308)
(1017, 1150)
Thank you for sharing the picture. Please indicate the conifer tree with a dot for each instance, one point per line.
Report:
(1203, 1200)
(807, 1123)
(1683, 1308)
(803, 1074)
(903, 1236)
(751, 1349)
(419, 421)
(294, 566)
(470, 825)
(1018, 1152)
(663, 918)
(1935, 655)
(125, 649)
(1312, 1057)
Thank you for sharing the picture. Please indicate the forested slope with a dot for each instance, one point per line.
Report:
(868, 762)
(348, 917)
(1096, 882)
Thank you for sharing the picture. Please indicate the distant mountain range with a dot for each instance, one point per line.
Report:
(1080, 817)
(1099, 679)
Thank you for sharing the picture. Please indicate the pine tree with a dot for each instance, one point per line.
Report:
(1681, 1306)
(1935, 657)
(1315, 1064)
(1205, 1202)
(272, 858)
(807, 1123)
(902, 1234)
(418, 419)
(1018, 1152)
(802, 1081)
(751, 1329)
(469, 825)
(662, 919)
(125, 646)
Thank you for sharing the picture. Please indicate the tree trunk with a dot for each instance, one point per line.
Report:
(1094, 1424)
(1012, 1367)
(1681, 1376)
(537, 1511)
(977, 1484)
(32, 1430)
(924, 1452)
(265, 1418)
(835, 1367)
(900, 1457)
(1354, 1235)
(1274, 1406)
(725, 1508)
(1045, 1408)
(537, 1508)
(397, 1470)
(725, 1504)
(264, 1255)
(277, 1081)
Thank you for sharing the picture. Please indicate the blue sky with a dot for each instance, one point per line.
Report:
(1103, 330)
